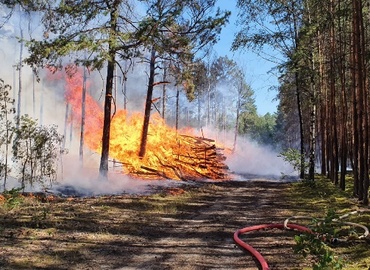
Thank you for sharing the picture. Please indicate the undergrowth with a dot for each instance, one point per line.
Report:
(333, 244)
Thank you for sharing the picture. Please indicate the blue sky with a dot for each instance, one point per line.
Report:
(256, 68)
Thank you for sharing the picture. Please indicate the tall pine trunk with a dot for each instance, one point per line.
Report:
(148, 104)
(20, 65)
(334, 163)
(299, 107)
(177, 108)
(363, 110)
(313, 104)
(164, 92)
(358, 173)
(312, 159)
(236, 129)
(344, 108)
(103, 169)
(83, 116)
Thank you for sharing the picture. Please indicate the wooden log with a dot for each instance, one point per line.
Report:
(202, 160)
(159, 173)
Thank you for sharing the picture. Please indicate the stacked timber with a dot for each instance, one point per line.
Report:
(194, 158)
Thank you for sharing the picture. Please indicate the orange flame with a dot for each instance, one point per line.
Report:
(168, 153)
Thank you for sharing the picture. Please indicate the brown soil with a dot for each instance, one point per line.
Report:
(174, 230)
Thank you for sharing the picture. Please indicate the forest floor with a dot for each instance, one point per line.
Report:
(188, 227)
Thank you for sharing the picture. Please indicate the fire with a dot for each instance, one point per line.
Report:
(169, 154)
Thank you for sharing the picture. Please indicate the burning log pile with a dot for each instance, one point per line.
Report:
(194, 158)
(168, 155)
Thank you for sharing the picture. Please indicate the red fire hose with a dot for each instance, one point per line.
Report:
(291, 226)
(253, 251)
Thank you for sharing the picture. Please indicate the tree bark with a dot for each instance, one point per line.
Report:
(164, 92)
(107, 118)
(322, 108)
(299, 107)
(83, 112)
(344, 108)
(177, 107)
(65, 125)
(311, 174)
(358, 106)
(236, 129)
(19, 102)
(199, 109)
(363, 112)
(334, 163)
(148, 104)
(108, 91)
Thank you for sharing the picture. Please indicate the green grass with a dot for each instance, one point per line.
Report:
(321, 197)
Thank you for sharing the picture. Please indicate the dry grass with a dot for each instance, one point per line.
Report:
(188, 228)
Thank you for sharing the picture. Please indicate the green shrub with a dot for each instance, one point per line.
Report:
(13, 198)
(317, 243)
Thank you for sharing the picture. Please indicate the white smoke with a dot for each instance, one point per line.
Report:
(250, 159)
(84, 180)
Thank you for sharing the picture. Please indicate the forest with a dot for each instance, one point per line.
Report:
(323, 87)
(126, 87)
(323, 77)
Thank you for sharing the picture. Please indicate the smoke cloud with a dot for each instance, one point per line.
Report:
(85, 181)
(250, 160)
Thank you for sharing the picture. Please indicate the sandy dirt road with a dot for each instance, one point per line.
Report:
(128, 232)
